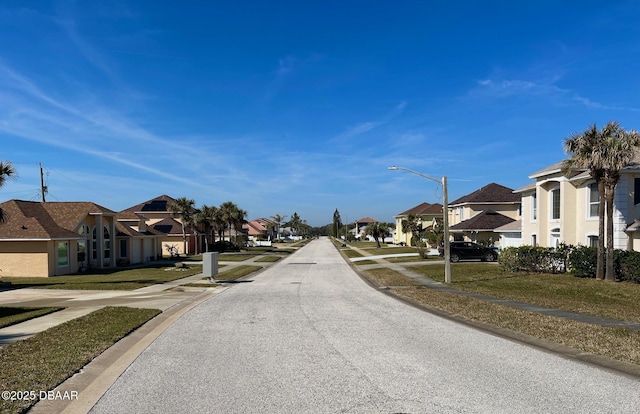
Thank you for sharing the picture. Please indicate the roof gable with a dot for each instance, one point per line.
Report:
(486, 220)
(490, 193)
(155, 205)
(423, 209)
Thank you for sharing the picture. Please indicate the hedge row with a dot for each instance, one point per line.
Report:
(580, 260)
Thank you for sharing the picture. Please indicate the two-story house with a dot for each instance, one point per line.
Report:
(563, 207)
(428, 214)
(477, 216)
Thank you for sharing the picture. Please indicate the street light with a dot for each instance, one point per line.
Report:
(445, 215)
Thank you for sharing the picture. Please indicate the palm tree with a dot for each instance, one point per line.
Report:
(238, 219)
(295, 223)
(205, 216)
(619, 149)
(6, 171)
(278, 220)
(412, 225)
(586, 151)
(377, 230)
(183, 208)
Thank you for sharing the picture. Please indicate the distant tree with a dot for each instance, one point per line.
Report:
(295, 223)
(6, 171)
(278, 219)
(413, 224)
(183, 208)
(205, 217)
(337, 222)
(378, 231)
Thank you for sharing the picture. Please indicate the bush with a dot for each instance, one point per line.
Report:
(628, 266)
(583, 261)
(535, 259)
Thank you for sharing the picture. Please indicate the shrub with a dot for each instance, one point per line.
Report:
(583, 261)
(628, 266)
(535, 259)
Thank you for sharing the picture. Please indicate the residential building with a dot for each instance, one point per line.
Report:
(428, 215)
(156, 216)
(562, 207)
(476, 216)
(42, 239)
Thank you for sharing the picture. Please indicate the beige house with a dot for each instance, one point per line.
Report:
(429, 215)
(476, 216)
(154, 216)
(56, 238)
(560, 207)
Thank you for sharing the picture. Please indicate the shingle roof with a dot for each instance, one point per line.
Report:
(490, 193)
(170, 225)
(50, 220)
(155, 205)
(487, 220)
(366, 220)
(423, 209)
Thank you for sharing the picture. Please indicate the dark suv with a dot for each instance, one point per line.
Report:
(462, 250)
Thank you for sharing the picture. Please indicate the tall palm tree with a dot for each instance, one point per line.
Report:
(237, 220)
(278, 220)
(183, 208)
(586, 150)
(6, 171)
(205, 217)
(295, 223)
(619, 150)
(228, 211)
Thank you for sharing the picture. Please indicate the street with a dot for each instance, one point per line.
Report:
(307, 335)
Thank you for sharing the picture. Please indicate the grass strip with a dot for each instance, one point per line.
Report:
(235, 273)
(616, 343)
(269, 259)
(561, 291)
(42, 362)
(127, 279)
(12, 315)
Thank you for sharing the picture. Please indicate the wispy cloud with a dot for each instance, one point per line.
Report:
(364, 127)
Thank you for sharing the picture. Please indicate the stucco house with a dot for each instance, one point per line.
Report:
(563, 207)
(429, 215)
(476, 216)
(42, 239)
(155, 216)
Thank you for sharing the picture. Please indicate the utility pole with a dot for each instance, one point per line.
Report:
(43, 188)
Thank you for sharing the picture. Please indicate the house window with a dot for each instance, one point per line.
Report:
(107, 243)
(555, 204)
(592, 241)
(534, 240)
(63, 254)
(94, 244)
(636, 191)
(124, 251)
(534, 207)
(554, 240)
(82, 243)
(594, 200)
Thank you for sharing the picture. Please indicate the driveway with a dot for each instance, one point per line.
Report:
(308, 335)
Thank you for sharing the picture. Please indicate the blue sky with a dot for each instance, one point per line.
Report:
(300, 106)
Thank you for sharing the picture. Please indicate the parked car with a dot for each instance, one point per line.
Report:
(461, 250)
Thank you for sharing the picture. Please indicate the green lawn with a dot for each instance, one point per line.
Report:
(12, 315)
(564, 291)
(128, 279)
(50, 357)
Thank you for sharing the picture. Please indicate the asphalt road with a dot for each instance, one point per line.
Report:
(309, 336)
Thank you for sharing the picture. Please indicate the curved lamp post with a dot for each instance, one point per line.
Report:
(445, 215)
